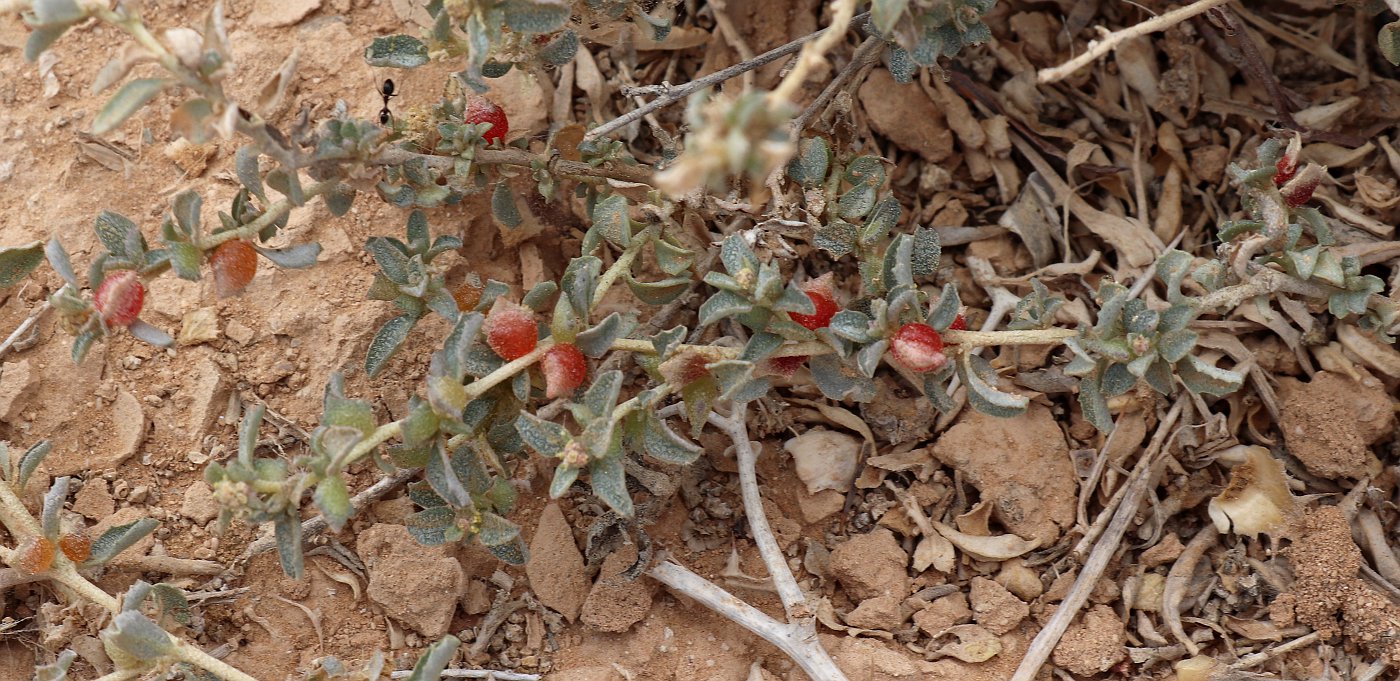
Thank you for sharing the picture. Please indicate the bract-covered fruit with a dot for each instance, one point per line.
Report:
(918, 347)
(119, 298)
(565, 369)
(234, 264)
(510, 330)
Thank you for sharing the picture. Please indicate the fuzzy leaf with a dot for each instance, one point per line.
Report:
(737, 256)
(536, 16)
(333, 499)
(657, 292)
(1172, 268)
(151, 335)
(185, 259)
(1174, 345)
(881, 220)
(392, 258)
(397, 51)
(537, 298)
(56, 670)
(838, 238)
(246, 166)
(610, 219)
(387, 342)
(546, 437)
(723, 304)
(837, 382)
(137, 636)
(1093, 404)
(808, 167)
(60, 262)
(52, 12)
(598, 340)
(927, 251)
(436, 659)
(130, 98)
(564, 477)
(53, 503)
(884, 14)
(664, 445)
(187, 208)
(118, 539)
(852, 325)
(1117, 379)
(300, 256)
(496, 530)
(945, 312)
(578, 282)
(982, 395)
(672, 259)
(118, 234)
(602, 395)
(503, 206)
(17, 262)
(248, 433)
(1388, 42)
(429, 526)
(1201, 377)
(513, 553)
(609, 483)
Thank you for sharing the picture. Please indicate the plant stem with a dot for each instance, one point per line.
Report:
(274, 212)
(803, 649)
(813, 54)
(619, 266)
(613, 170)
(681, 92)
(1109, 41)
(188, 652)
(794, 601)
(120, 675)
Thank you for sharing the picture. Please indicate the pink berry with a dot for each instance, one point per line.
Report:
(510, 330)
(819, 290)
(918, 347)
(564, 370)
(482, 110)
(119, 298)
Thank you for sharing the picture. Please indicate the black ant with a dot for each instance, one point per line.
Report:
(386, 91)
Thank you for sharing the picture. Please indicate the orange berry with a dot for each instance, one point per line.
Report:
(468, 295)
(234, 264)
(77, 545)
(35, 555)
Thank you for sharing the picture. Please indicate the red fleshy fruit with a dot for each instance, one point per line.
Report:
(1300, 190)
(826, 309)
(918, 347)
(565, 369)
(959, 324)
(482, 110)
(234, 264)
(786, 366)
(1284, 170)
(510, 330)
(119, 298)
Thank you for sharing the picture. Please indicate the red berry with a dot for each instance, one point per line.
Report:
(35, 555)
(959, 324)
(119, 298)
(234, 264)
(482, 110)
(918, 347)
(564, 370)
(786, 366)
(1284, 170)
(510, 330)
(826, 309)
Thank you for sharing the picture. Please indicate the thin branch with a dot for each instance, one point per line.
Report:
(814, 54)
(617, 171)
(23, 328)
(1137, 485)
(865, 54)
(678, 93)
(489, 674)
(1109, 41)
(794, 601)
(807, 652)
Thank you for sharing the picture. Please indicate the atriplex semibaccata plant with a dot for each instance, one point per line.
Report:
(477, 413)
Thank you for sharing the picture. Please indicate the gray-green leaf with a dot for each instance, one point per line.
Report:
(130, 98)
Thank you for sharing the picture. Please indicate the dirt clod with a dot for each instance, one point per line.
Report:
(912, 122)
(414, 584)
(556, 569)
(1330, 421)
(616, 603)
(199, 504)
(995, 608)
(942, 613)
(1021, 464)
(870, 565)
(1093, 644)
